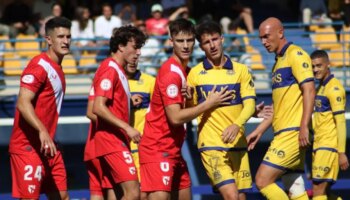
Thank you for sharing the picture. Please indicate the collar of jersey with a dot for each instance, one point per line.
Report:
(137, 75)
(327, 79)
(228, 64)
(284, 49)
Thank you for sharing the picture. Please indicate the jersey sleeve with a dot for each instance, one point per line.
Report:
(105, 82)
(91, 94)
(170, 88)
(301, 66)
(337, 99)
(33, 77)
(247, 85)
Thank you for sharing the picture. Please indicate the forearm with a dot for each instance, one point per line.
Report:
(102, 112)
(89, 113)
(246, 113)
(341, 131)
(28, 113)
(308, 106)
(263, 126)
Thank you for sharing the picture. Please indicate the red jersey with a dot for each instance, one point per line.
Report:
(111, 82)
(157, 26)
(46, 79)
(160, 139)
(89, 152)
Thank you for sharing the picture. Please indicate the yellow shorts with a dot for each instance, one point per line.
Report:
(225, 167)
(284, 152)
(325, 165)
(135, 156)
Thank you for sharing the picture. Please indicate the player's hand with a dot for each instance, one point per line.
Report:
(230, 133)
(304, 137)
(187, 92)
(136, 100)
(253, 139)
(343, 161)
(266, 112)
(134, 134)
(47, 147)
(219, 98)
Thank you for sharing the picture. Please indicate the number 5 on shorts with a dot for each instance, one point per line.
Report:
(127, 156)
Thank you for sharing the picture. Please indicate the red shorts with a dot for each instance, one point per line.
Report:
(32, 175)
(96, 180)
(119, 167)
(167, 175)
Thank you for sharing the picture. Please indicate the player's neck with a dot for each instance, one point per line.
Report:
(54, 56)
(119, 59)
(219, 61)
(183, 62)
(280, 47)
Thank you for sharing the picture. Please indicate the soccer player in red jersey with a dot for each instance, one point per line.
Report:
(112, 108)
(163, 171)
(100, 186)
(36, 163)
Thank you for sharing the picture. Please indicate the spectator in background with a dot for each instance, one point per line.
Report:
(82, 27)
(346, 10)
(157, 24)
(314, 11)
(126, 11)
(335, 9)
(104, 25)
(56, 11)
(18, 16)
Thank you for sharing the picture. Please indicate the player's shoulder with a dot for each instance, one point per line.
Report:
(147, 76)
(335, 85)
(239, 66)
(295, 50)
(197, 68)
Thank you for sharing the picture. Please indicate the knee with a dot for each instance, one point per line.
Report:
(231, 196)
(260, 182)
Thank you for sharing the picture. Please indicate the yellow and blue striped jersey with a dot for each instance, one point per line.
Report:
(211, 124)
(330, 101)
(142, 84)
(292, 69)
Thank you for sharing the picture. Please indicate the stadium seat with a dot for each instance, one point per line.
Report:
(28, 47)
(245, 38)
(13, 66)
(345, 36)
(69, 65)
(256, 59)
(339, 57)
(7, 49)
(87, 62)
(325, 38)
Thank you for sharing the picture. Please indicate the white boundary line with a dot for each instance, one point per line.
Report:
(85, 120)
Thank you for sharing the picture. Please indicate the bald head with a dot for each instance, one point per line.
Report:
(271, 33)
(272, 22)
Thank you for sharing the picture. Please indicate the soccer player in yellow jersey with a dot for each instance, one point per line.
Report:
(221, 139)
(329, 127)
(141, 88)
(293, 94)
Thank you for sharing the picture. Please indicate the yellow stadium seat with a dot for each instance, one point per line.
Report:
(69, 65)
(325, 38)
(87, 62)
(245, 38)
(339, 57)
(27, 45)
(256, 59)
(345, 36)
(14, 66)
(8, 50)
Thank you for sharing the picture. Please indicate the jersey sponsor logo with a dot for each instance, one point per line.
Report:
(279, 153)
(31, 189)
(245, 174)
(283, 78)
(166, 180)
(172, 90)
(203, 92)
(105, 84)
(28, 78)
(322, 104)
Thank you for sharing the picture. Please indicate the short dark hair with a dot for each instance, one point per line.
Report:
(57, 22)
(319, 54)
(207, 27)
(181, 25)
(122, 35)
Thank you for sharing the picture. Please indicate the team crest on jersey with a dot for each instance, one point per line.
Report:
(172, 90)
(105, 84)
(31, 189)
(305, 65)
(166, 180)
(140, 82)
(230, 72)
(28, 78)
(217, 175)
